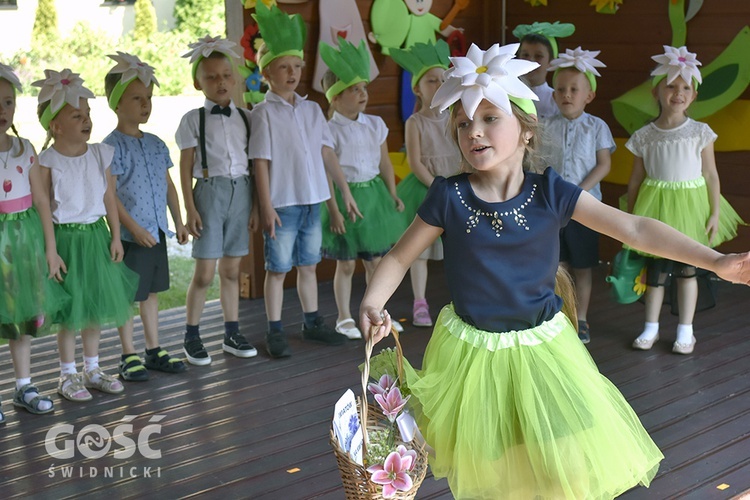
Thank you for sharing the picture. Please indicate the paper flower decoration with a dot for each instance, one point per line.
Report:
(7, 73)
(251, 42)
(60, 88)
(250, 4)
(677, 62)
(131, 68)
(207, 45)
(254, 81)
(392, 475)
(551, 31)
(536, 3)
(350, 64)
(606, 6)
(283, 34)
(584, 61)
(422, 57)
(491, 75)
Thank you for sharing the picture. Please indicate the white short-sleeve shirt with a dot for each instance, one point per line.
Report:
(291, 137)
(226, 141)
(358, 145)
(546, 106)
(78, 183)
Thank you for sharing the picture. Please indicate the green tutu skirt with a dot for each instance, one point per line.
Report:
(368, 237)
(525, 414)
(685, 206)
(28, 297)
(412, 192)
(102, 291)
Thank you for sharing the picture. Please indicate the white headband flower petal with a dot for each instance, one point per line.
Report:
(677, 62)
(131, 67)
(209, 44)
(491, 75)
(7, 73)
(62, 88)
(584, 61)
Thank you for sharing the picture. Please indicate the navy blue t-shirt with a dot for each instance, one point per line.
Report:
(501, 258)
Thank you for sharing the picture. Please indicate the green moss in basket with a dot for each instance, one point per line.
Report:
(381, 443)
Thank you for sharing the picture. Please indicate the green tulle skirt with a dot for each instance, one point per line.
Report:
(368, 237)
(525, 414)
(28, 298)
(685, 206)
(412, 193)
(102, 291)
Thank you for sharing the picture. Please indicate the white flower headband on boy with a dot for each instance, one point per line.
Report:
(584, 61)
(492, 75)
(60, 89)
(7, 73)
(676, 62)
(206, 46)
(131, 68)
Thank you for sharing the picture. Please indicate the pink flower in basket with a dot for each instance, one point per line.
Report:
(392, 403)
(392, 475)
(383, 386)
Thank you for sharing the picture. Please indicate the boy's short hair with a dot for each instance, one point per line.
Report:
(110, 80)
(213, 55)
(541, 39)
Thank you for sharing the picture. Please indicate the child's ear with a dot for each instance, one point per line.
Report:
(591, 96)
(197, 84)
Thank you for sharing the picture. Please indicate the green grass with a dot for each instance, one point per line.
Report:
(180, 274)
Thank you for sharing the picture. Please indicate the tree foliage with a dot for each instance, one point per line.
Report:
(200, 17)
(145, 20)
(45, 23)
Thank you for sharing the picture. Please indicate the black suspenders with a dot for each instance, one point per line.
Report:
(202, 138)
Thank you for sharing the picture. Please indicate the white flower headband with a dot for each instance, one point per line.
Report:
(60, 88)
(7, 73)
(207, 45)
(492, 75)
(584, 61)
(676, 62)
(131, 68)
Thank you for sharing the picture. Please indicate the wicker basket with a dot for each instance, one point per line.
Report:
(356, 479)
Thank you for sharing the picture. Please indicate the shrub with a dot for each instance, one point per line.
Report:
(45, 23)
(145, 20)
(199, 17)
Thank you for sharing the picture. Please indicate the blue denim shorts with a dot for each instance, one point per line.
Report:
(224, 206)
(298, 240)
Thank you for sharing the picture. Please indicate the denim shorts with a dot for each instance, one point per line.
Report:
(298, 240)
(224, 207)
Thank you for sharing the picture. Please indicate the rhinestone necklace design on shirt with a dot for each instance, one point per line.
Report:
(496, 217)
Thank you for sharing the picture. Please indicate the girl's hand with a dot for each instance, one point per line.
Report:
(182, 234)
(194, 223)
(734, 267)
(337, 222)
(351, 207)
(144, 238)
(56, 267)
(376, 323)
(398, 203)
(270, 219)
(712, 227)
(115, 251)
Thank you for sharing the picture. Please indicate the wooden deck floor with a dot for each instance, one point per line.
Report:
(258, 428)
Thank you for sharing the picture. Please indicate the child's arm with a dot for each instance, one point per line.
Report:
(714, 189)
(141, 236)
(600, 170)
(173, 202)
(336, 222)
(254, 222)
(331, 163)
(636, 179)
(110, 204)
(414, 154)
(194, 223)
(657, 238)
(386, 173)
(389, 273)
(269, 219)
(41, 185)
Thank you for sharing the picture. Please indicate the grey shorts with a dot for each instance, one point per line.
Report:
(224, 206)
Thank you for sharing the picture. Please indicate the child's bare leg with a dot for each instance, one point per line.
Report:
(342, 287)
(20, 352)
(307, 288)
(370, 266)
(273, 295)
(418, 275)
(93, 377)
(583, 280)
(126, 336)
(654, 297)
(687, 298)
(149, 310)
(203, 275)
(229, 276)
(66, 346)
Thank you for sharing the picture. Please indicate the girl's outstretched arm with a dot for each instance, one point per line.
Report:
(714, 189)
(636, 179)
(657, 238)
(390, 272)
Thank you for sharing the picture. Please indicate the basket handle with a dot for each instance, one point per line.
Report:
(366, 377)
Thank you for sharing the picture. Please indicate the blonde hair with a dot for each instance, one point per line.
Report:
(565, 289)
(39, 112)
(329, 78)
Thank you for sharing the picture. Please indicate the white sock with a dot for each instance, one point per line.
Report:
(20, 382)
(90, 364)
(67, 368)
(650, 331)
(42, 405)
(684, 334)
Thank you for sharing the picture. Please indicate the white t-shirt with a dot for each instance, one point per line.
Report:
(226, 141)
(292, 139)
(78, 183)
(546, 106)
(358, 145)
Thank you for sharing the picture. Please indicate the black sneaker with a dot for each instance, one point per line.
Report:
(196, 353)
(237, 344)
(322, 333)
(277, 346)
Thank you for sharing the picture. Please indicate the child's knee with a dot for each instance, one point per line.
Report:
(346, 267)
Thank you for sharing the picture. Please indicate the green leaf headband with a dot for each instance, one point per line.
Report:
(7, 73)
(350, 64)
(422, 57)
(492, 75)
(283, 34)
(131, 68)
(60, 89)
(550, 31)
(206, 46)
(584, 61)
(677, 62)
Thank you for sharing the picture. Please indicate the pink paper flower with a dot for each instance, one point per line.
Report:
(383, 386)
(392, 403)
(392, 474)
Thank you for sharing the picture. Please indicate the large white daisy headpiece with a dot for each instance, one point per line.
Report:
(492, 75)
(131, 67)
(584, 61)
(206, 46)
(676, 62)
(7, 73)
(60, 89)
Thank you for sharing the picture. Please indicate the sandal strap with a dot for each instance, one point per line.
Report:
(133, 364)
(161, 355)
